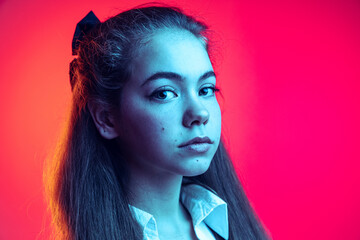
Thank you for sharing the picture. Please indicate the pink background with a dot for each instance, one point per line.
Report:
(289, 73)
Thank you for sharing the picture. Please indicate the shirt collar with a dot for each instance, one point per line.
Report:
(204, 207)
(147, 223)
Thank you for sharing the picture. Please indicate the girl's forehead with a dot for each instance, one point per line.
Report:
(173, 50)
(170, 41)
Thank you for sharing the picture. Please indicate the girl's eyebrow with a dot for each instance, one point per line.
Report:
(175, 76)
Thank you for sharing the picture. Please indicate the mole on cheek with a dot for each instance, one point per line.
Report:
(162, 129)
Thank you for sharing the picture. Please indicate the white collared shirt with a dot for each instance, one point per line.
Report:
(207, 210)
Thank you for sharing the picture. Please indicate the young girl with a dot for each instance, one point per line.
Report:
(142, 157)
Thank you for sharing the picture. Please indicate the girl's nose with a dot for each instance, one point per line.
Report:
(195, 114)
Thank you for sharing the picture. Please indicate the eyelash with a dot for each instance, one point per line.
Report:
(155, 94)
(213, 89)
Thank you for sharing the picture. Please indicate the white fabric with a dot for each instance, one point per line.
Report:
(207, 210)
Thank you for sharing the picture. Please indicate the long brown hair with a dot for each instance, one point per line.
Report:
(87, 183)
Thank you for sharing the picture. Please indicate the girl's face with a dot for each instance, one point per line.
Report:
(170, 120)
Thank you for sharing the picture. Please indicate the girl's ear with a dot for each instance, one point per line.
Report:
(103, 120)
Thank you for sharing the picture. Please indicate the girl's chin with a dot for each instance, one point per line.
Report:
(197, 168)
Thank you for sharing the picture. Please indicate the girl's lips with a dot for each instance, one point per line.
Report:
(197, 147)
(197, 140)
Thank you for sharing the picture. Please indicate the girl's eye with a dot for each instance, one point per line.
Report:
(208, 91)
(163, 95)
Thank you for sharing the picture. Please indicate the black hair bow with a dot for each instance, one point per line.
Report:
(82, 28)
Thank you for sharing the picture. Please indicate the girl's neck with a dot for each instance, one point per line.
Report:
(158, 195)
